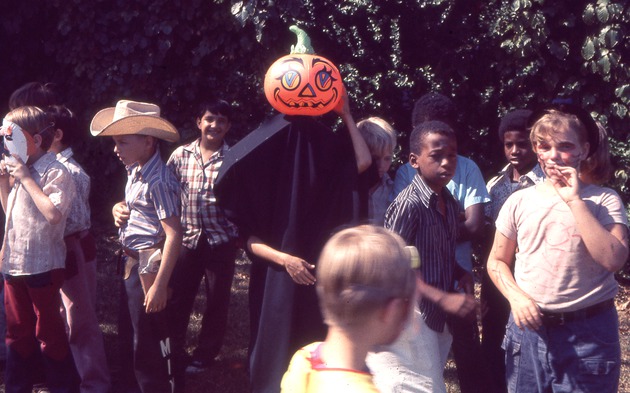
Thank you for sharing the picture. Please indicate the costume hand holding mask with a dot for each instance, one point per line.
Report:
(290, 183)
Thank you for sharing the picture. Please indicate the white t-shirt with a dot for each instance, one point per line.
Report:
(552, 264)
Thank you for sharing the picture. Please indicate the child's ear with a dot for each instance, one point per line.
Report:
(396, 312)
(37, 140)
(413, 160)
(150, 141)
(586, 148)
(58, 135)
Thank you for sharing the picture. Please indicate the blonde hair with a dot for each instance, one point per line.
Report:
(361, 269)
(379, 135)
(555, 122)
(597, 168)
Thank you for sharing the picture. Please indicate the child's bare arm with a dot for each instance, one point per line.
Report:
(156, 297)
(525, 311)
(607, 245)
(296, 267)
(472, 224)
(459, 304)
(361, 150)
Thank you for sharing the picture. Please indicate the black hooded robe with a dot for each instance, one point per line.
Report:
(292, 183)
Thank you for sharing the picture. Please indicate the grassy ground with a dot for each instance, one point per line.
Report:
(229, 374)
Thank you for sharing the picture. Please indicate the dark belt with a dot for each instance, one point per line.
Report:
(560, 318)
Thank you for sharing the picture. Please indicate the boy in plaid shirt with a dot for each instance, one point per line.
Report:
(209, 240)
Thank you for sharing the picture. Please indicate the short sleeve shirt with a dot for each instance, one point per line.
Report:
(468, 188)
(200, 212)
(32, 245)
(552, 263)
(152, 194)
(79, 216)
(501, 187)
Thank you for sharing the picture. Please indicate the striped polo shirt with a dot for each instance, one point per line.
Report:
(415, 217)
(152, 194)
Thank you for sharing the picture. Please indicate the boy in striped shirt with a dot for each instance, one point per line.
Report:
(425, 215)
(151, 235)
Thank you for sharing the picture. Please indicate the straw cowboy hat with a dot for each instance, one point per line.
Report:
(131, 117)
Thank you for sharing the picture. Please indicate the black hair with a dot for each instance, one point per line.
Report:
(37, 94)
(420, 132)
(516, 120)
(65, 121)
(434, 106)
(216, 106)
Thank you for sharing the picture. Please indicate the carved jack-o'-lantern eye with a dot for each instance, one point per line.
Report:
(324, 79)
(291, 80)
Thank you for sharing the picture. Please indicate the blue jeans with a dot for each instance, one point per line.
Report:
(579, 356)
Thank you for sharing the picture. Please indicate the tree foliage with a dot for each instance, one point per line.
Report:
(490, 56)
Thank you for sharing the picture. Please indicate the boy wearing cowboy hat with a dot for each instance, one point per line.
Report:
(152, 235)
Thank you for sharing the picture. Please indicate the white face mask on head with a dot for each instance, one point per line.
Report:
(16, 140)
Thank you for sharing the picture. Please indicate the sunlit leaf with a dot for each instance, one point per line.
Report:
(602, 14)
(589, 15)
(603, 65)
(612, 37)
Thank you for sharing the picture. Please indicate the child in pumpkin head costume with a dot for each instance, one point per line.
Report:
(287, 186)
(152, 235)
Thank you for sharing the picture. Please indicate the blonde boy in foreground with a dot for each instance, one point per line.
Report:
(365, 286)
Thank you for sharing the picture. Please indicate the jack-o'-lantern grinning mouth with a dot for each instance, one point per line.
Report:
(304, 103)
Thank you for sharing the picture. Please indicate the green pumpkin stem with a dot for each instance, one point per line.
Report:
(303, 45)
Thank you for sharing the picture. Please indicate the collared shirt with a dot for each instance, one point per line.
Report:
(415, 217)
(200, 213)
(79, 216)
(467, 187)
(151, 194)
(501, 187)
(31, 244)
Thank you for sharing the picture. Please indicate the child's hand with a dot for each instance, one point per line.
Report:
(121, 214)
(466, 283)
(565, 181)
(16, 168)
(155, 300)
(298, 269)
(462, 305)
(526, 312)
(4, 171)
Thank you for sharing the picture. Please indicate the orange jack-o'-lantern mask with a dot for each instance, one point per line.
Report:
(303, 83)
